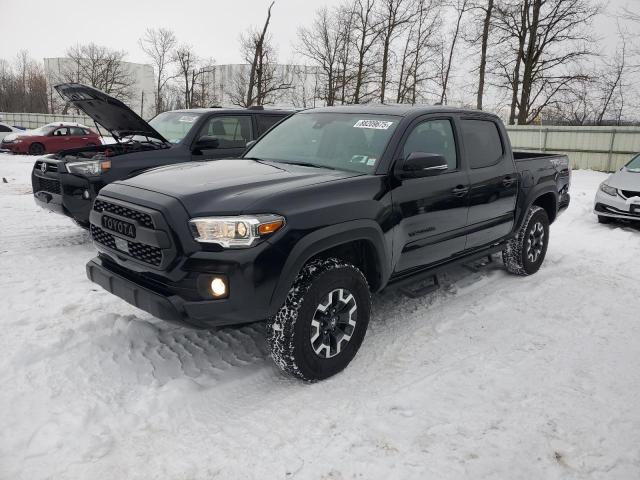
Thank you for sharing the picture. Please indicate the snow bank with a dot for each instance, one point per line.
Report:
(493, 376)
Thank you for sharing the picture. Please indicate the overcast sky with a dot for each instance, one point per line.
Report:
(47, 28)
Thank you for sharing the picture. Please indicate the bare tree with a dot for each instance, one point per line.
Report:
(23, 86)
(485, 9)
(460, 7)
(420, 50)
(264, 79)
(100, 67)
(322, 43)
(545, 42)
(195, 77)
(365, 34)
(394, 17)
(158, 45)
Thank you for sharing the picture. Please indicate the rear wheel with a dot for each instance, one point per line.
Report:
(36, 149)
(525, 252)
(320, 327)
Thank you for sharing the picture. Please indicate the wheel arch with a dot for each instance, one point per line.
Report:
(545, 197)
(360, 242)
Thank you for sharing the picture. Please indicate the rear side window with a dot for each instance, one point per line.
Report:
(77, 131)
(232, 131)
(433, 136)
(482, 143)
(265, 122)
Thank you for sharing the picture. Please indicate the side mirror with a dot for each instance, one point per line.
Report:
(207, 143)
(420, 164)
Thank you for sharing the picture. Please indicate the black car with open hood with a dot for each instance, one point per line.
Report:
(69, 181)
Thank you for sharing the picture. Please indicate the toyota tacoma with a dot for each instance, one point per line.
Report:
(332, 205)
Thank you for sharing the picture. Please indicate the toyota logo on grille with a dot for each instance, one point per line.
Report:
(43, 167)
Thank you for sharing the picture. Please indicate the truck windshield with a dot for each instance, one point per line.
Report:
(174, 125)
(343, 141)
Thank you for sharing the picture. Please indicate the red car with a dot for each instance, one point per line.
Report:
(51, 138)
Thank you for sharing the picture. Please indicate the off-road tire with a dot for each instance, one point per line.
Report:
(515, 255)
(36, 149)
(603, 219)
(290, 331)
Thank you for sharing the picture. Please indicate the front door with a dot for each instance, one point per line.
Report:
(432, 210)
(232, 131)
(58, 140)
(494, 182)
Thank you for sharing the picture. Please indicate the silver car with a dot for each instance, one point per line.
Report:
(619, 195)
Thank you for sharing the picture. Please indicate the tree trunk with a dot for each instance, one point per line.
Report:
(529, 63)
(483, 53)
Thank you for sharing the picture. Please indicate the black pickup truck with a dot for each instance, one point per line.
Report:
(332, 205)
(69, 181)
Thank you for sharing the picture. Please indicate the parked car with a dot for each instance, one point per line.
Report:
(6, 129)
(51, 138)
(333, 204)
(618, 197)
(69, 181)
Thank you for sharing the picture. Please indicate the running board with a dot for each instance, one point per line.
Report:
(423, 290)
(478, 264)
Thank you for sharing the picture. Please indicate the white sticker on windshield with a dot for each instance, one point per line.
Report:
(187, 118)
(371, 162)
(375, 124)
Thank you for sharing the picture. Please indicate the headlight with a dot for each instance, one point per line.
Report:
(608, 189)
(90, 167)
(235, 232)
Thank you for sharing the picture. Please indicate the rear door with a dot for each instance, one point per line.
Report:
(79, 137)
(432, 210)
(233, 131)
(493, 178)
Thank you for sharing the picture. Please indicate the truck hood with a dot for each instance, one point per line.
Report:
(229, 187)
(109, 112)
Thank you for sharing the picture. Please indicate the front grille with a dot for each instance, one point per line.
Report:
(142, 218)
(47, 185)
(629, 193)
(144, 253)
(51, 167)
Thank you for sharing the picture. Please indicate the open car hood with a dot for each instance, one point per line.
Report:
(107, 111)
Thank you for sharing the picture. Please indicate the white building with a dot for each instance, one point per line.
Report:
(141, 95)
(302, 82)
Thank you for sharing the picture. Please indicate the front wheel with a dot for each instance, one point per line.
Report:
(320, 327)
(525, 252)
(36, 149)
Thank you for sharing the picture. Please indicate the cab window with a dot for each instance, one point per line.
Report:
(482, 141)
(265, 122)
(433, 136)
(232, 131)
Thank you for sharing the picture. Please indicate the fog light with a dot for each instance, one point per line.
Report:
(218, 287)
(85, 194)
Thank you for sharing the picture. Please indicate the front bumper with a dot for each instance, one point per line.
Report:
(64, 193)
(616, 207)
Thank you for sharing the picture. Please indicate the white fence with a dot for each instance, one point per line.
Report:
(605, 149)
(597, 148)
(35, 120)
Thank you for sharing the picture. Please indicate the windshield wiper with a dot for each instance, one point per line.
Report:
(308, 164)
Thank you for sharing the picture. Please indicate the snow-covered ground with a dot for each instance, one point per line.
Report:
(493, 376)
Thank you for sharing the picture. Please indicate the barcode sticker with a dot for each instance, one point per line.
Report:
(375, 124)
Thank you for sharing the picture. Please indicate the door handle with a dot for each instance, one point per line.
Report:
(508, 181)
(460, 191)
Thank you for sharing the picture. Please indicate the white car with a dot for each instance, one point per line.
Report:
(6, 129)
(619, 195)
